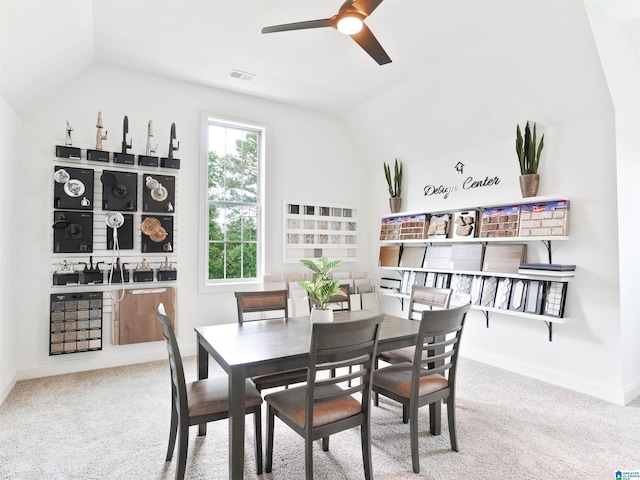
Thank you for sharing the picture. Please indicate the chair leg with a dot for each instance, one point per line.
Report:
(308, 457)
(435, 421)
(183, 443)
(451, 416)
(257, 423)
(325, 444)
(413, 433)
(405, 414)
(173, 431)
(270, 425)
(365, 437)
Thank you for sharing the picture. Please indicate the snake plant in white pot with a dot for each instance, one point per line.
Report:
(529, 159)
(321, 288)
(395, 186)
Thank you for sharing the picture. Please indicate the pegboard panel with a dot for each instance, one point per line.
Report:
(148, 259)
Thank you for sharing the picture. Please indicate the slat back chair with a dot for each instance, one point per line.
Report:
(341, 302)
(256, 304)
(422, 298)
(432, 375)
(323, 407)
(261, 305)
(200, 402)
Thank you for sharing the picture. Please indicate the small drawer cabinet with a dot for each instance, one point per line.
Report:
(76, 322)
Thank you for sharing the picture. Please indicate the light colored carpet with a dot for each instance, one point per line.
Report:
(113, 424)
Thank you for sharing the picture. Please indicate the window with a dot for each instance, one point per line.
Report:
(234, 199)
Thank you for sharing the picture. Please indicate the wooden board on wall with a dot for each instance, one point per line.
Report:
(135, 319)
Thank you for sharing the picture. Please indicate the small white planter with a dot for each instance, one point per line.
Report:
(321, 316)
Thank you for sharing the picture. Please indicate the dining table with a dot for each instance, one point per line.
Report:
(270, 346)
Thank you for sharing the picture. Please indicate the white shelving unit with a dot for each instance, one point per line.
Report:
(531, 275)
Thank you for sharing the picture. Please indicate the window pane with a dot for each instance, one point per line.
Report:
(234, 222)
(216, 260)
(234, 260)
(216, 226)
(249, 151)
(250, 224)
(249, 260)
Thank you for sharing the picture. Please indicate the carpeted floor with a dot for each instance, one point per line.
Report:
(113, 424)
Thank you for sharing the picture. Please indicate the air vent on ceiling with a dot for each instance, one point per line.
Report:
(247, 77)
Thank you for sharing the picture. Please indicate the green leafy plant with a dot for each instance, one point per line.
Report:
(395, 187)
(527, 150)
(321, 288)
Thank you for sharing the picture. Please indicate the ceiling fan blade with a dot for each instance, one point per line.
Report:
(370, 44)
(326, 22)
(366, 6)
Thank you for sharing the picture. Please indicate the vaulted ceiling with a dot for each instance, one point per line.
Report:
(46, 42)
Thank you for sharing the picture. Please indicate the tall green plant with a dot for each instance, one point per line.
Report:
(527, 150)
(320, 289)
(395, 186)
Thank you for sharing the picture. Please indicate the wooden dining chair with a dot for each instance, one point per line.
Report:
(323, 407)
(422, 298)
(432, 375)
(268, 305)
(342, 302)
(201, 401)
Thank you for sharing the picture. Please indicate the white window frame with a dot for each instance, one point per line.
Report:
(206, 284)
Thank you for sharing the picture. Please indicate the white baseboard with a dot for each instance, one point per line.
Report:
(581, 385)
(156, 352)
(632, 391)
(7, 389)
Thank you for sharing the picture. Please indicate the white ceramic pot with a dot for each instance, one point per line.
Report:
(321, 316)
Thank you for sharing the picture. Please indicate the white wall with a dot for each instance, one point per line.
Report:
(584, 354)
(309, 158)
(9, 157)
(618, 50)
(556, 80)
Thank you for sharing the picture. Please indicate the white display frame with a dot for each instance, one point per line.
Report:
(316, 229)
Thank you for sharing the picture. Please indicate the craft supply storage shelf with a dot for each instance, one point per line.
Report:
(550, 285)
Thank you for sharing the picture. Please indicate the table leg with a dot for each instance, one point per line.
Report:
(203, 372)
(236, 423)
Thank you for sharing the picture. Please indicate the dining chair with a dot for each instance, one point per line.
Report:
(323, 407)
(341, 302)
(268, 305)
(432, 375)
(201, 401)
(422, 298)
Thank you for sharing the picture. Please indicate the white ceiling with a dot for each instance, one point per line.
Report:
(46, 42)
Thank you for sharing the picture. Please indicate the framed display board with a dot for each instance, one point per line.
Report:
(315, 229)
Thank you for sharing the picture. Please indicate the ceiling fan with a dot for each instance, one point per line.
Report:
(350, 21)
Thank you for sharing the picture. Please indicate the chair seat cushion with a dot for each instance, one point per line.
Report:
(290, 376)
(397, 378)
(292, 403)
(211, 395)
(399, 355)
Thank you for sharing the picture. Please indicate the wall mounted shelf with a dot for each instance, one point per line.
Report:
(536, 294)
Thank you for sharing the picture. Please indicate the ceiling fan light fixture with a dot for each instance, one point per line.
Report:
(350, 24)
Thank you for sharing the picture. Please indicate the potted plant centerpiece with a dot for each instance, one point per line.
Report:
(529, 159)
(321, 288)
(395, 186)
